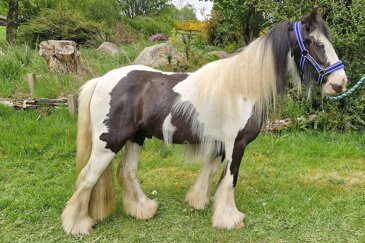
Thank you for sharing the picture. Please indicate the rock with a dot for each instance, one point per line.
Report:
(159, 55)
(62, 55)
(219, 54)
(109, 48)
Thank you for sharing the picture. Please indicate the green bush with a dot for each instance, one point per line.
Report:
(62, 24)
(163, 23)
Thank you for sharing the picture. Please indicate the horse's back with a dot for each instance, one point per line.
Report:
(132, 99)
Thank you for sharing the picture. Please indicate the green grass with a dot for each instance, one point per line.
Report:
(293, 187)
(2, 34)
(19, 60)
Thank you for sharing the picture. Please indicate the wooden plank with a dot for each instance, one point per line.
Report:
(31, 77)
(72, 104)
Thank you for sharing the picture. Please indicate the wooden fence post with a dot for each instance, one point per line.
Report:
(72, 104)
(31, 81)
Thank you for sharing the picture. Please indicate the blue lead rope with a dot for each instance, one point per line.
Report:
(348, 92)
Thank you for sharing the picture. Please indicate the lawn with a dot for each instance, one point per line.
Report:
(2, 34)
(295, 186)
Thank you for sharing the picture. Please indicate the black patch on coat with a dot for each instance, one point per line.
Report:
(139, 105)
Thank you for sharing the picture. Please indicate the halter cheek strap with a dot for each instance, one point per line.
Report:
(306, 56)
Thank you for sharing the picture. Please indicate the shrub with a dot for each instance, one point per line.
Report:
(149, 25)
(192, 26)
(124, 34)
(69, 25)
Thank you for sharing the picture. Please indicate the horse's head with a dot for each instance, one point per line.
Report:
(315, 55)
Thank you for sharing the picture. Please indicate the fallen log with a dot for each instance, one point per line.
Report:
(34, 103)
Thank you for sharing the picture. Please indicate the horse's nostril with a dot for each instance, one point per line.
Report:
(337, 87)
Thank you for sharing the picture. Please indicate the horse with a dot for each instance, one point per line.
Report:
(215, 111)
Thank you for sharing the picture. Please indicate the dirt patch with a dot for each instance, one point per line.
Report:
(347, 178)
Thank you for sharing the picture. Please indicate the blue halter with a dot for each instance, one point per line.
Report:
(305, 55)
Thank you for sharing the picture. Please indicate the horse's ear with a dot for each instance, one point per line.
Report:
(312, 17)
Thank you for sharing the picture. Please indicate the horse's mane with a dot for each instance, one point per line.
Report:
(257, 73)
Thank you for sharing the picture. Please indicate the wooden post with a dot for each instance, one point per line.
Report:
(31, 81)
(72, 104)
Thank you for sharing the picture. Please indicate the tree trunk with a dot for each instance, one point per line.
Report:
(62, 55)
(12, 18)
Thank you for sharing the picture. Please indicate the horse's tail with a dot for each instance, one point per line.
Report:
(101, 202)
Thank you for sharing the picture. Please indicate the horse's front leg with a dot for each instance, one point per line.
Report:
(199, 195)
(226, 214)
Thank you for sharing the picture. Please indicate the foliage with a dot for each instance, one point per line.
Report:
(124, 34)
(134, 8)
(191, 25)
(231, 47)
(163, 23)
(240, 20)
(2, 34)
(220, 31)
(107, 11)
(187, 13)
(71, 25)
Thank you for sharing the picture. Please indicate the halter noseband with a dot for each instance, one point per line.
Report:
(305, 55)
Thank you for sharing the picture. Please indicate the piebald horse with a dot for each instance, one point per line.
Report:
(219, 109)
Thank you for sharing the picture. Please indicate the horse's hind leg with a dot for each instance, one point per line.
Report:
(135, 202)
(199, 195)
(75, 217)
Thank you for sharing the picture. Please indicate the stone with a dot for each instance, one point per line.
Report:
(109, 48)
(159, 55)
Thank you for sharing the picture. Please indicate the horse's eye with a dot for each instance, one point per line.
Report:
(320, 45)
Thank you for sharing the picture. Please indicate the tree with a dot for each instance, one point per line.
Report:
(238, 16)
(133, 8)
(187, 13)
(12, 19)
(19, 11)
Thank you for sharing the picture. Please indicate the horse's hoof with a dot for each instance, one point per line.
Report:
(143, 209)
(230, 218)
(80, 227)
(239, 225)
(196, 200)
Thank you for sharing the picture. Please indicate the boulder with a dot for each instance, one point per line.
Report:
(159, 55)
(109, 48)
(219, 54)
(62, 55)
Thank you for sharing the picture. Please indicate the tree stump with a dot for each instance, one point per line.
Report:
(62, 55)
